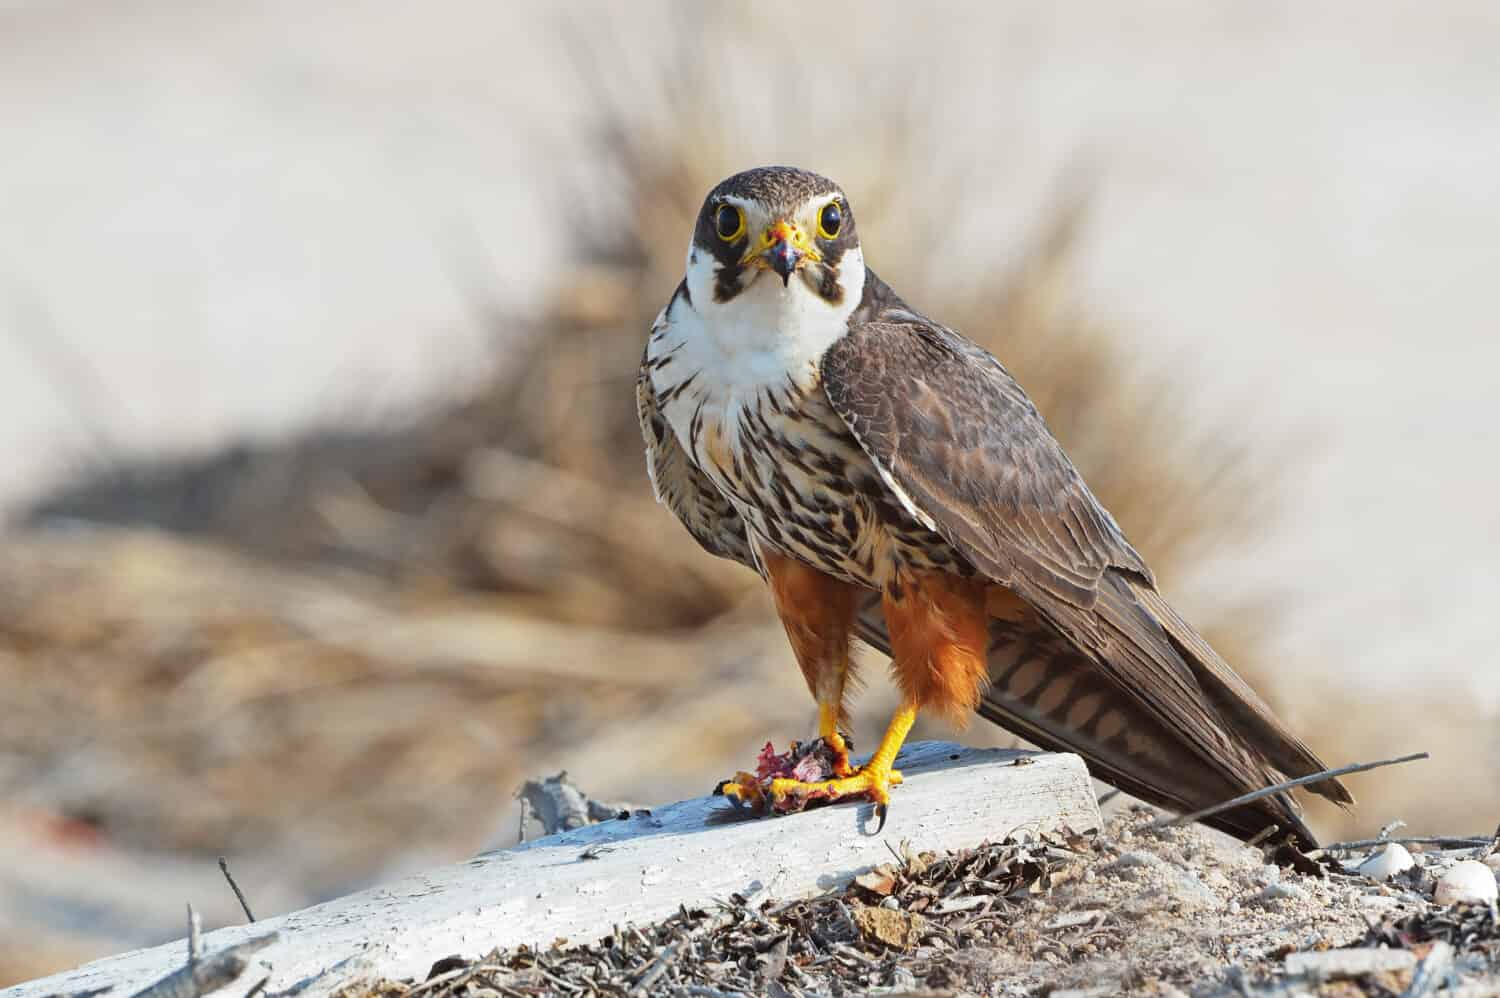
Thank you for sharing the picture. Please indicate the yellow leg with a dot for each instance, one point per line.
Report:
(818, 613)
(875, 778)
(872, 781)
(828, 729)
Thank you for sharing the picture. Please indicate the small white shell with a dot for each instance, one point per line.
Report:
(1469, 882)
(1384, 865)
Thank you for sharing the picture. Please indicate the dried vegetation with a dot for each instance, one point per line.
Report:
(1135, 910)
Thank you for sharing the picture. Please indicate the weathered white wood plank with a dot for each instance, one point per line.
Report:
(644, 868)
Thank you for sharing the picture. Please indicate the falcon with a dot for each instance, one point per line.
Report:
(891, 482)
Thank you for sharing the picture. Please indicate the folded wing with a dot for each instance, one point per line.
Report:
(961, 445)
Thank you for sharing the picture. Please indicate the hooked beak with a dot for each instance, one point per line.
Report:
(783, 248)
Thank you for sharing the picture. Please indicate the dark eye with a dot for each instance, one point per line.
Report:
(830, 220)
(729, 222)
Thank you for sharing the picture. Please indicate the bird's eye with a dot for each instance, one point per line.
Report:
(830, 220)
(729, 222)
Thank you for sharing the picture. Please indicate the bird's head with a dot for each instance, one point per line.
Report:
(781, 231)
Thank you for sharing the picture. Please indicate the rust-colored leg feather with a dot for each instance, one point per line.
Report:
(818, 612)
(939, 635)
(939, 641)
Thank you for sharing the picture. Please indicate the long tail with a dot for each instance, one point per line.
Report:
(1144, 700)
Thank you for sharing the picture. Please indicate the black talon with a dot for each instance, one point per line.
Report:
(881, 810)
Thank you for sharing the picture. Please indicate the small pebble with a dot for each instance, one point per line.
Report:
(1469, 882)
(1281, 892)
(1379, 904)
(1191, 891)
(1390, 861)
(1344, 963)
(1131, 861)
(891, 903)
(1268, 874)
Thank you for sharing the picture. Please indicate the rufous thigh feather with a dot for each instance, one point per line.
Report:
(817, 611)
(939, 640)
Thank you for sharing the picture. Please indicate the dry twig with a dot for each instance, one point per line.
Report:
(1438, 841)
(245, 905)
(1301, 781)
(195, 935)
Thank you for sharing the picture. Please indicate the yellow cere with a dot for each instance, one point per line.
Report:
(782, 231)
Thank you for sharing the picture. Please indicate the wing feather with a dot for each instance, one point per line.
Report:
(964, 445)
(944, 421)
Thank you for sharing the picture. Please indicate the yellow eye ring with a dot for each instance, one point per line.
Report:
(729, 222)
(830, 220)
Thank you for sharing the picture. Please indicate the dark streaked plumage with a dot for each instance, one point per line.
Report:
(685, 490)
(905, 447)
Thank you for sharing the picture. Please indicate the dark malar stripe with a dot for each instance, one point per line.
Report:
(678, 389)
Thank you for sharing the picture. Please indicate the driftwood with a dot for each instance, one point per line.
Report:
(206, 974)
(580, 884)
(559, 806)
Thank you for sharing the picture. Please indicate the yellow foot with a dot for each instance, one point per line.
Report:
(782, 795)
(838, 747)
(834, 740)
(810, 773)
(869, 783)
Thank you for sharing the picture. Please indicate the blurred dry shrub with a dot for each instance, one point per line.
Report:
(353, 645)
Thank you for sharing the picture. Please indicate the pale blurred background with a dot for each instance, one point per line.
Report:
(318, 325)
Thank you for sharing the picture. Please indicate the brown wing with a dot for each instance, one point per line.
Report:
(683, 488)
(964, 448)
(952, 430)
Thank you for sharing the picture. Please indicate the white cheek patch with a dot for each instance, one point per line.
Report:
(768, 330)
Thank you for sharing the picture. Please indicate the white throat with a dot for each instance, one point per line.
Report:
(711, 362)
(766, 333)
